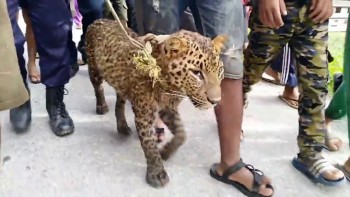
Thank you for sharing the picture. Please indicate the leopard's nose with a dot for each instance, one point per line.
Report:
(214, 101)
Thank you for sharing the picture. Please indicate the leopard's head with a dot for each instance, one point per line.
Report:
(193, 66)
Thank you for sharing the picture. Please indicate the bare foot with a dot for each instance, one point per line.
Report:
(333, 175)
(332, 143)
(292, 94)
(33, 73)
(81, 62)
(269, 71)
(245, 177)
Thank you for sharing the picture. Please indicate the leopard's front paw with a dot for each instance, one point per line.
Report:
(157, 180)
(125, 130)
(102, 109)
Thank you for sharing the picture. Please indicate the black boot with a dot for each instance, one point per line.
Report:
(60, 121)
(21, 117)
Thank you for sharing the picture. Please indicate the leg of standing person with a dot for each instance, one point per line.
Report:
(77, 17)
(73, 62)
(33, 72)
(91, 10)
(312, 68)
(131, 15)
(335, 111)
(285, 64)
(217, 17)
(20, 117)
(13, 91)
(227, 17)
(52, 32)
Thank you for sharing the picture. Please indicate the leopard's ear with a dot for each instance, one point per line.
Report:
(175, 46)
(219, 42)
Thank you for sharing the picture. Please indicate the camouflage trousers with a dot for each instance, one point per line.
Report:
(308, 41)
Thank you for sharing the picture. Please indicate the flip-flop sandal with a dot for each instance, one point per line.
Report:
(160, 134)
(257, 180)
(330, 137)
(346, 173)
(270, 79)
(314, 172)
(36, 81)
(289, 101)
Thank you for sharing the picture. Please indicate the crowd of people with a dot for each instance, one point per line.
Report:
(298, 28)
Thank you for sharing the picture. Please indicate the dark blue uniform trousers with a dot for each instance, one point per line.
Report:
(91, 10)
(51, 22)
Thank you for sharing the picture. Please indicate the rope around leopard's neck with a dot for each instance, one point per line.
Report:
(144, 61)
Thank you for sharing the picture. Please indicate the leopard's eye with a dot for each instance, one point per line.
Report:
(197, 73)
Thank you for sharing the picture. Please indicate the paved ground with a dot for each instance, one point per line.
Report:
(97, 162)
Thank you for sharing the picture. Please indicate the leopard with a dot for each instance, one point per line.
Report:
(190, 67)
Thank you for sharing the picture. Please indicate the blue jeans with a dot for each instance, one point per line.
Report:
(91, 10)
(212, 18)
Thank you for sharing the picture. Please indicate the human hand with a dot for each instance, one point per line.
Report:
(321, 10)
(271, 11)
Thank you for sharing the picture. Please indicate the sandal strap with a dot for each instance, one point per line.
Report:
(257, 174)
(257, 177)
(233, 169)
(320, 166)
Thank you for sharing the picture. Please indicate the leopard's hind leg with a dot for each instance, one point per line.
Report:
(173, 121)
(122, 125)
(96, 77)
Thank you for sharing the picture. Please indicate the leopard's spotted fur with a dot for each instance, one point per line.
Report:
(190, 66)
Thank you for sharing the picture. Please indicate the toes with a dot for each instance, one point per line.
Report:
(265, 190)
(157, 179)
(101, 109)
(125, 130)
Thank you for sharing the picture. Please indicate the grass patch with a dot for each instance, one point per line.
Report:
(336, 48)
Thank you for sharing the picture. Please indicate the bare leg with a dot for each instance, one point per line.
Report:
(33, 72)
(229, 114)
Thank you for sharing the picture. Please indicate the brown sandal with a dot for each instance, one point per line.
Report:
(289, 101)
(257, 178)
